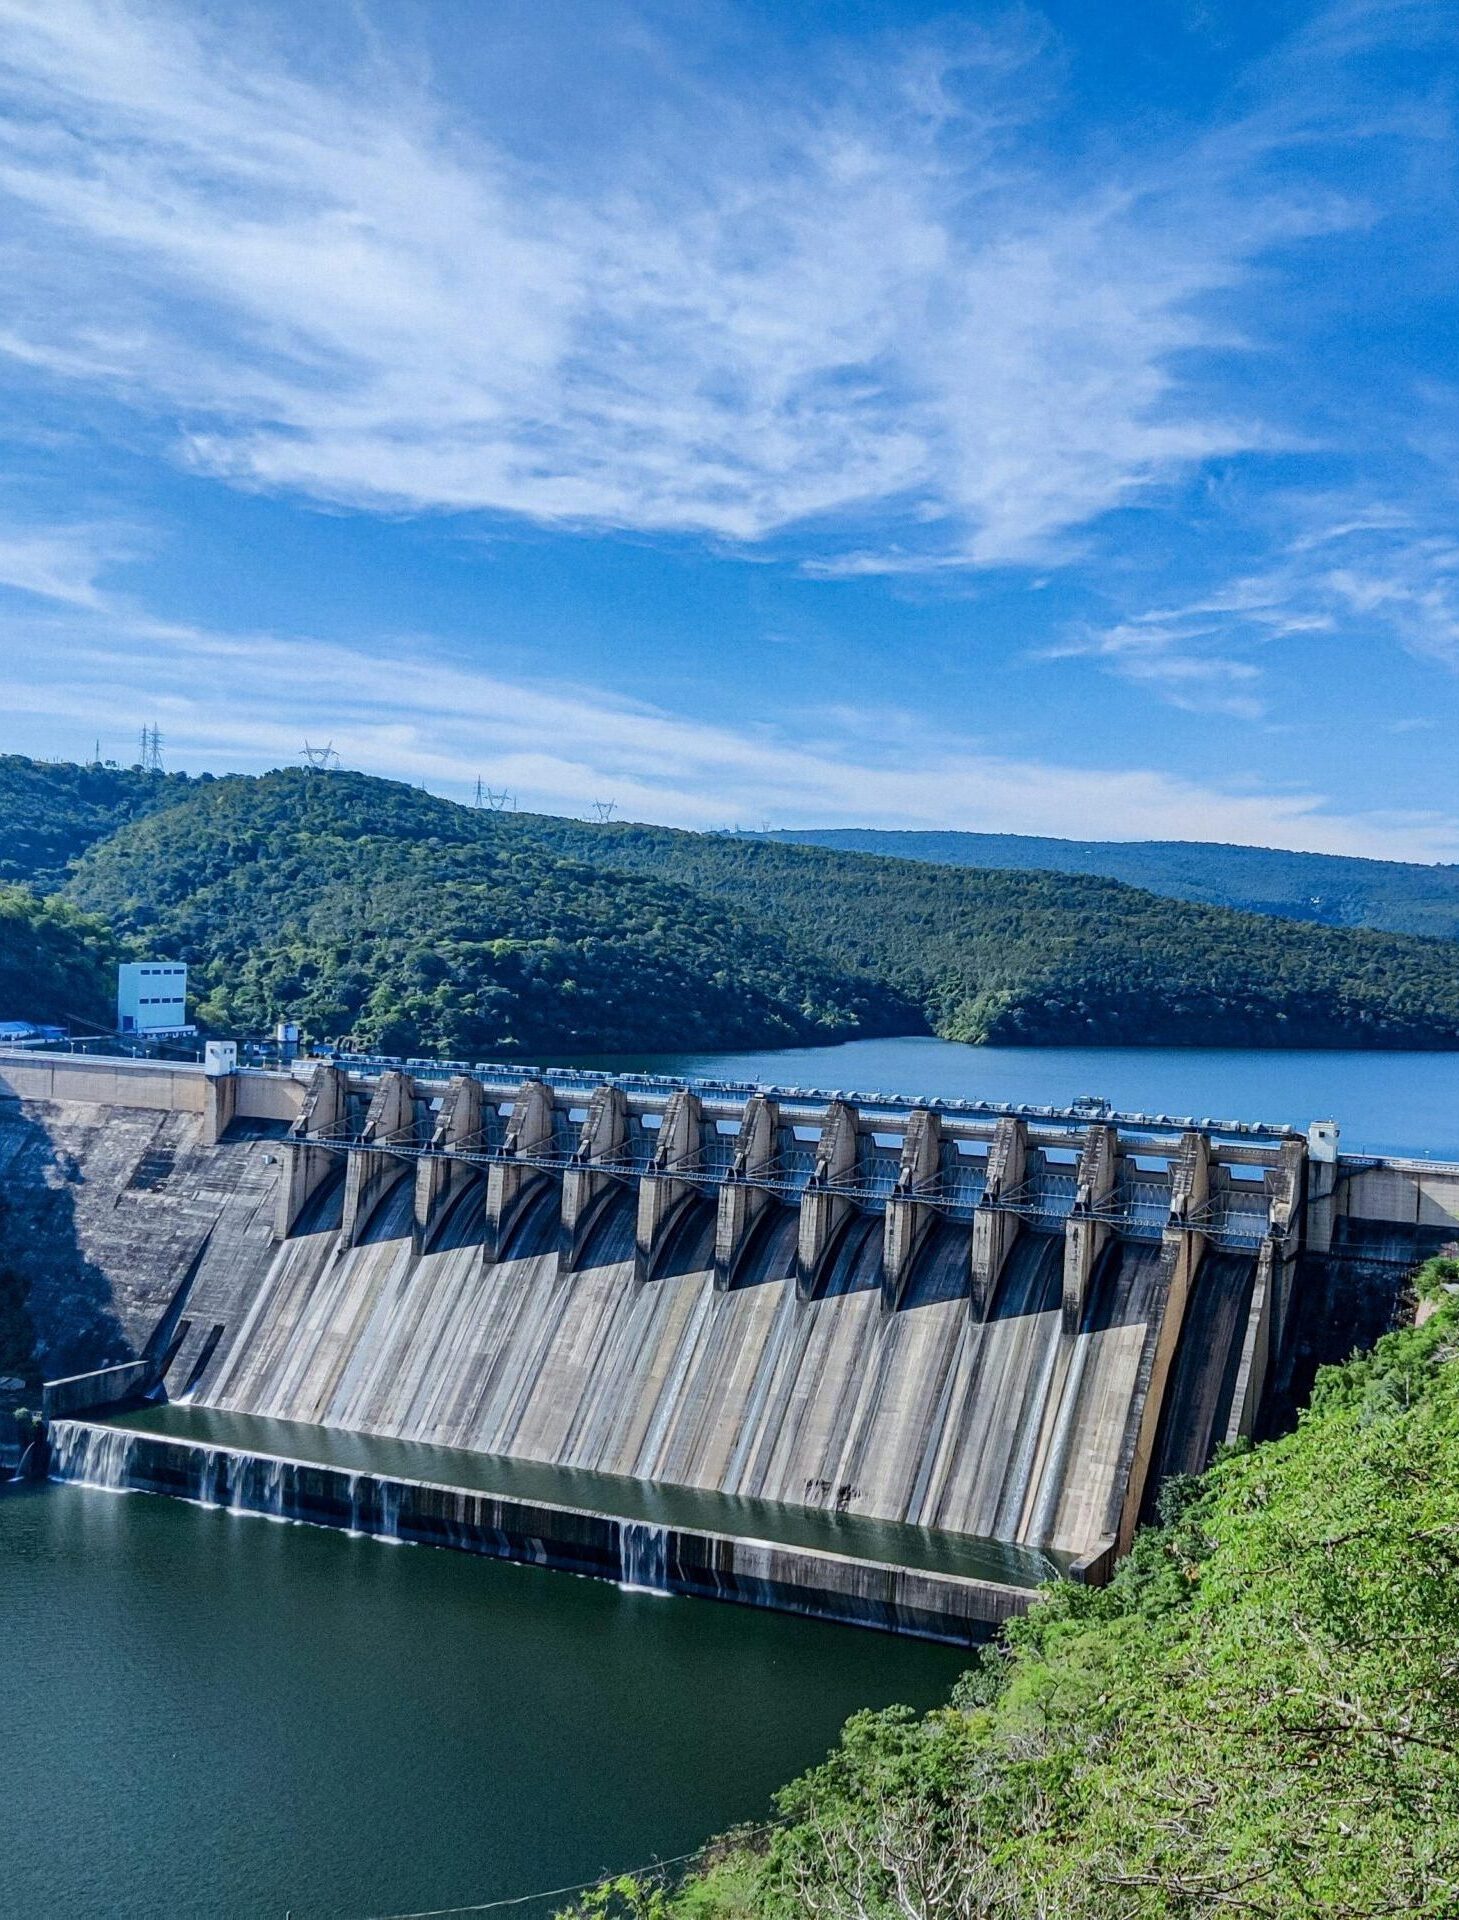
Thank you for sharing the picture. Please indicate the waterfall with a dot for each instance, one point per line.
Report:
(643, 1557)
(91, 1456)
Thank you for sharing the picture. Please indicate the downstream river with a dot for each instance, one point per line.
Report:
(214, 1714)
(1398, 1103)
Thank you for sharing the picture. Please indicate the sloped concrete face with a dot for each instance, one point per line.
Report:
(1017, 1370)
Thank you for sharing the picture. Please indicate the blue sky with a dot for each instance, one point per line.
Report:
(1039, 420)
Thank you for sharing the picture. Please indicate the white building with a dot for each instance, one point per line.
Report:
(152, 997)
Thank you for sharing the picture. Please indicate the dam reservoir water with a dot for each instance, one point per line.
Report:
(212, 1715)
(1385, 1103)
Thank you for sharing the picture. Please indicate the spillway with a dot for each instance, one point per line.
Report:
(1005, 1329)
(921, 1416)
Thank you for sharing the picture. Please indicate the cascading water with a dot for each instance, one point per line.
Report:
(90, 1456)
(643, 1557)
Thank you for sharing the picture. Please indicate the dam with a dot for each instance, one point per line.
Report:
(860, 1356)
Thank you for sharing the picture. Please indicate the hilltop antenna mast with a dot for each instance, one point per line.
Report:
(320, 759)
(605, 809)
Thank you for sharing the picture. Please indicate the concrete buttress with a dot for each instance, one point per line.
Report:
(823, 1209)
(594, 1171)
(371, 1168)
(908, 1217)
(323, 1116)
(994, 1230)
(439, 1177)
(741, 1200)
(529, 1133)
(1085, 1235)
(669, 1183)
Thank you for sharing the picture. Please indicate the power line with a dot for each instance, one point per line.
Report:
(556, 1893)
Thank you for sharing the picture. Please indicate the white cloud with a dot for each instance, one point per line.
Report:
(871, 295)
(249, 700)
(58, 563)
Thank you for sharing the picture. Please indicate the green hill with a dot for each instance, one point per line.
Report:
(52, 811)
(55, 963)
(1330, 889)
(1259, 1716)
(370, 910)
(1053, 959)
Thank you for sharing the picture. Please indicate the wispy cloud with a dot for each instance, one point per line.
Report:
(59, 563)
(1353, 567)
(404, 707)
(876, 291)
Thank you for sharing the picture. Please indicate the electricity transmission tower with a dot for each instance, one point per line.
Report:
(320, 759)
(605, 809)
(151, 749)
(489, 797)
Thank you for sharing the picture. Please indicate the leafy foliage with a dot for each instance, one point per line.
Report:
(369, 910)
(52, 812)
(1259, 1716)
(1332, 889)
(54, 962)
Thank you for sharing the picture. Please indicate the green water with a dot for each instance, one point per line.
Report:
(212, 1714)
(665, 1506)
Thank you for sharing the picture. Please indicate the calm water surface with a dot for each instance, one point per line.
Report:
(213, 1714)
(1400, 1103)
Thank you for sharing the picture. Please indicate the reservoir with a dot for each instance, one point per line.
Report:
(1385, 1103)
(209, 1713)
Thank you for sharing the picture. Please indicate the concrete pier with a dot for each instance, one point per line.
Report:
(824, 1207)
(747, 1192)
(530, 1134)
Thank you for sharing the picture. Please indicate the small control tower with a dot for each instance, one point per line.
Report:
(152, 998)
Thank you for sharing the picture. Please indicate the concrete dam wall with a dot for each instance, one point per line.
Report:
(1009, 1324)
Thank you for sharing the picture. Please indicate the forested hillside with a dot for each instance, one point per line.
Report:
(52, 811)
(1053, 959)
(1330, 889)
(55, 963)
(1259, 1716)
(371, 911)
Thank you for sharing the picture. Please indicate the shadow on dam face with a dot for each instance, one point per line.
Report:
(58, 1166)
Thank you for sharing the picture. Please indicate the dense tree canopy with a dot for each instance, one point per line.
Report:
(55, 963)
(1333, 889)
(370, 910)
